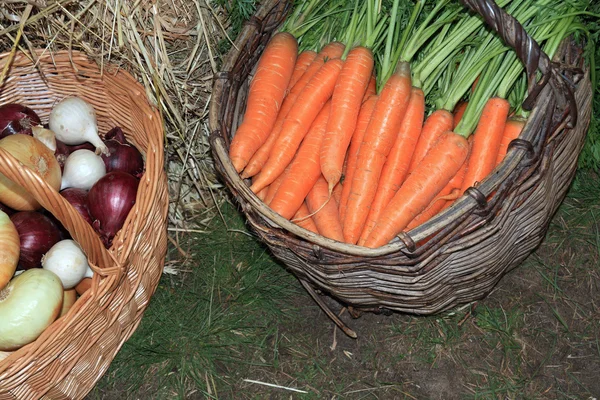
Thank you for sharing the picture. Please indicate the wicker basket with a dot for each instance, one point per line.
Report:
(474, 242)
(75, 351)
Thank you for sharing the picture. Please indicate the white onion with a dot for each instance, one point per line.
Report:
(28, 305)
(74, 122)
(82, 169)
(67, 260)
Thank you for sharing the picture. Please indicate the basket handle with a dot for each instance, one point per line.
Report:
(529, 52)
(51, 200)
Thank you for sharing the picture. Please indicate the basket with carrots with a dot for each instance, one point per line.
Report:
(402, 160)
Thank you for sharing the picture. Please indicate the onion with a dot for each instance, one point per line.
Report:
(82, 169)
(68, 261)
(69, 298)
(61, 153)
(79, 200)
(34, 155)
(74, 122)
(9, 249)
(45, 136)
(17, 118)
(110, 201)
(28, 305)
(83, 286)
(123, 157)
(37, 234)
(6, 209)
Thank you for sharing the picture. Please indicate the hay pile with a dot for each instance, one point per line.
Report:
(172, 46)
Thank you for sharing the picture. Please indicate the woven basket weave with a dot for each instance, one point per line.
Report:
(75, 351)
(474, 242)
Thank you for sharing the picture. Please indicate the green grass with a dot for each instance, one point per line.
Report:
(234, 314)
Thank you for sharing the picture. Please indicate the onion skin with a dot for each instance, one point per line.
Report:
(6, 209)
(37, 234)
(28, 305)
(109, 202)
(79, 200)
(69, 298)
(83, 286)
(9, 249)
(123, 157)
(17, 118)
(36, 156)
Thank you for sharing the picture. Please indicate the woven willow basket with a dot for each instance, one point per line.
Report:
(75, 351)
(474, 242)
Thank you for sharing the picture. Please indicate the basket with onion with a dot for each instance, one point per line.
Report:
(83, 202)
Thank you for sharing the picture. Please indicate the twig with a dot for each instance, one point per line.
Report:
(13, 51)
(275, 386)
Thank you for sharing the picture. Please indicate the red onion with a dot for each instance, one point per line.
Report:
(6, 209)
(17, 118)
(123, 157)
(79, 200)
(61, 153)
(109, 202)
(37, 234)
(117, 134)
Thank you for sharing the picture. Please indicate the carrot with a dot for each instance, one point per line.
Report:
(297, 123)
(512, 130)
(330, 51)
(437, 123)
(446, 197)
(274, 186)
(396, 166)
(371, 89)
(337, 194)
(263, 193)
(357, 138)
(302, 218)
(459, 111)
(302, 62)
(266, 94)
(486, 141)
(303, 171)
(324, 210)
(432, 174)
(345, 106)
(379, 138)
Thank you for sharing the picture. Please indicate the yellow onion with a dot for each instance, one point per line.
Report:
(9, 249)
(28, 305)
(69, 298)
(35, 155)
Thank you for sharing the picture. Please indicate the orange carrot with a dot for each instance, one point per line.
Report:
(396, 166)
(371, 89)
(324, 211)
(459, 111)
(437, 123)
(302, 62)
(297, 123)
(446, 197)
(337, 194)
(266, 94)
(357, 138)
(274, 187)
(330, 51)
(263, 193)
(302, 218)
(345, 106)
(512, 130)
(378, 140)
(486, 141)
(303, 171)
(432, 174)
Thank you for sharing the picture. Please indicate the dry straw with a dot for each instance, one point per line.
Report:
(458, 256)
(170, 46)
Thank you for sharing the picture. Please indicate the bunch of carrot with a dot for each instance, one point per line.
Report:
(327, 149)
